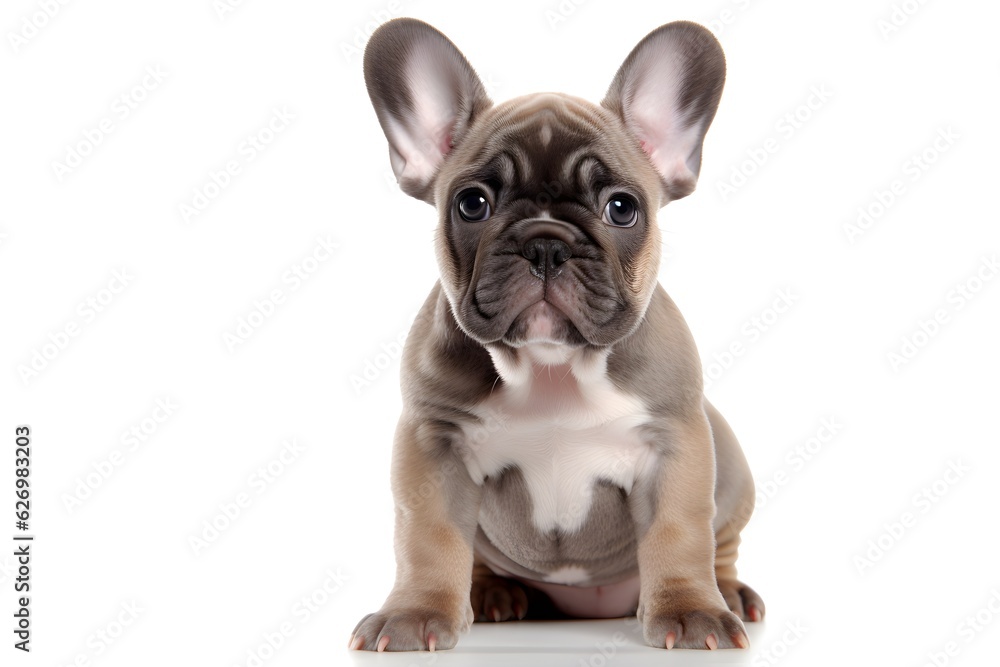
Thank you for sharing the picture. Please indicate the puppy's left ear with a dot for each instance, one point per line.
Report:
(666, 92)
(425, 94)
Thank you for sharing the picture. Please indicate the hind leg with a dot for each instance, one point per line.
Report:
(496, 598)
(734, 500)
(741, 599)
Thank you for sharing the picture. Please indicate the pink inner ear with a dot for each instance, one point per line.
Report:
(645, 147)
(446, 144)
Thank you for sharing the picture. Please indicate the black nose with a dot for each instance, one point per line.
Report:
(546, 256)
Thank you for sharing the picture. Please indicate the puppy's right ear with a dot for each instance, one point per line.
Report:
(425, 94)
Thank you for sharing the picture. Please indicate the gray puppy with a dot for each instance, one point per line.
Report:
(555, 446)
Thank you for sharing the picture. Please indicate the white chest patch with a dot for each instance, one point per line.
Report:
(564, 434)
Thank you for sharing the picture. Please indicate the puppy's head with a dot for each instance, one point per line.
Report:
(547, 202)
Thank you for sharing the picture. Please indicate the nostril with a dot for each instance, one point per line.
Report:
(534, 252)
(559, 252)
(531, 250)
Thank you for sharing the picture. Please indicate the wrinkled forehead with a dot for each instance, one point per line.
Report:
(553, 142)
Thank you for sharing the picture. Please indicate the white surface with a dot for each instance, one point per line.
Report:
(569, 643)
(829, 312)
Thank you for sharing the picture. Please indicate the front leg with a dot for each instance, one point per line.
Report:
(437, 507)
(680, 604)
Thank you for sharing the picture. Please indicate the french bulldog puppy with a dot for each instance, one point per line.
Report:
(555, 443)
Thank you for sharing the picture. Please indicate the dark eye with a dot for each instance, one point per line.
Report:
(473, 205)
(621, 211)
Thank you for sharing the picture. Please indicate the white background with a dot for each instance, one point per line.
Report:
(326, 176)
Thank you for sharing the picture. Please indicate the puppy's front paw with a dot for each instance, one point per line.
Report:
(413, 629)
(692, 627)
